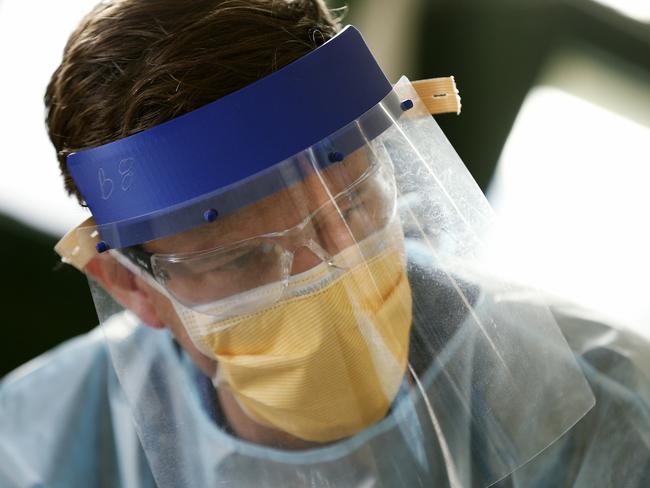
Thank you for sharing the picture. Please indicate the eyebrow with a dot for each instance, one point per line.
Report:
(139, 256)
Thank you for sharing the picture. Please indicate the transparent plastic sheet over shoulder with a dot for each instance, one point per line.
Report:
(398, 364)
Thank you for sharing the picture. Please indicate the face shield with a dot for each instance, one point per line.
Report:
(320, 245)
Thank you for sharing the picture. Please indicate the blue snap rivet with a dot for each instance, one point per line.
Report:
(101, 247)
(406, 105)
(336, 157)
(210, 215)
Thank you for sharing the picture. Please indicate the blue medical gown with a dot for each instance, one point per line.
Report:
(65, 422)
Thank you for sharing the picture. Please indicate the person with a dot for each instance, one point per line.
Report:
(285, 257)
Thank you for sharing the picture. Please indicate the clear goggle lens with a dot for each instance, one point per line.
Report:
(350, 216)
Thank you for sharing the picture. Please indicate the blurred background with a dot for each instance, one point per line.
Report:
(555, 128)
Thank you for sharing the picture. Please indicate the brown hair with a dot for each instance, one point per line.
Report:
(133, 64)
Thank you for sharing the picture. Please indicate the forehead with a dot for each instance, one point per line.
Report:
(273, 213)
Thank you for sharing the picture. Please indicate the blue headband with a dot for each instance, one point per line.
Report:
(135, 185)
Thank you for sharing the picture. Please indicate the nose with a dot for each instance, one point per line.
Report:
(331, 238)
(334, 232)
(327, 234)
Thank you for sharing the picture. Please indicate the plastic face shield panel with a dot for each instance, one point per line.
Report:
(352, 325)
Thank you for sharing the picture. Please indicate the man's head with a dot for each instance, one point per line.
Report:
(133, 64)
(266, 212)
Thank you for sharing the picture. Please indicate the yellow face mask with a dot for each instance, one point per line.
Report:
(328, 361)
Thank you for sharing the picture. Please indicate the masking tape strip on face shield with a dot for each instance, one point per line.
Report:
(390, 358)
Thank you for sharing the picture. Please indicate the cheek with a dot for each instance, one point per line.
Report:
(171, 320)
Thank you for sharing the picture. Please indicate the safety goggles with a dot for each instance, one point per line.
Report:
(354, 212)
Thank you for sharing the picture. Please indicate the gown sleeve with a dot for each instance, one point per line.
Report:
(610, 445)
(64, 422)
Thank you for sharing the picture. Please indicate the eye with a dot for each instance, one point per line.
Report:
(236, 263)
(257, 257)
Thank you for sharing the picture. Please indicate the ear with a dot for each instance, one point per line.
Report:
(129, 290)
